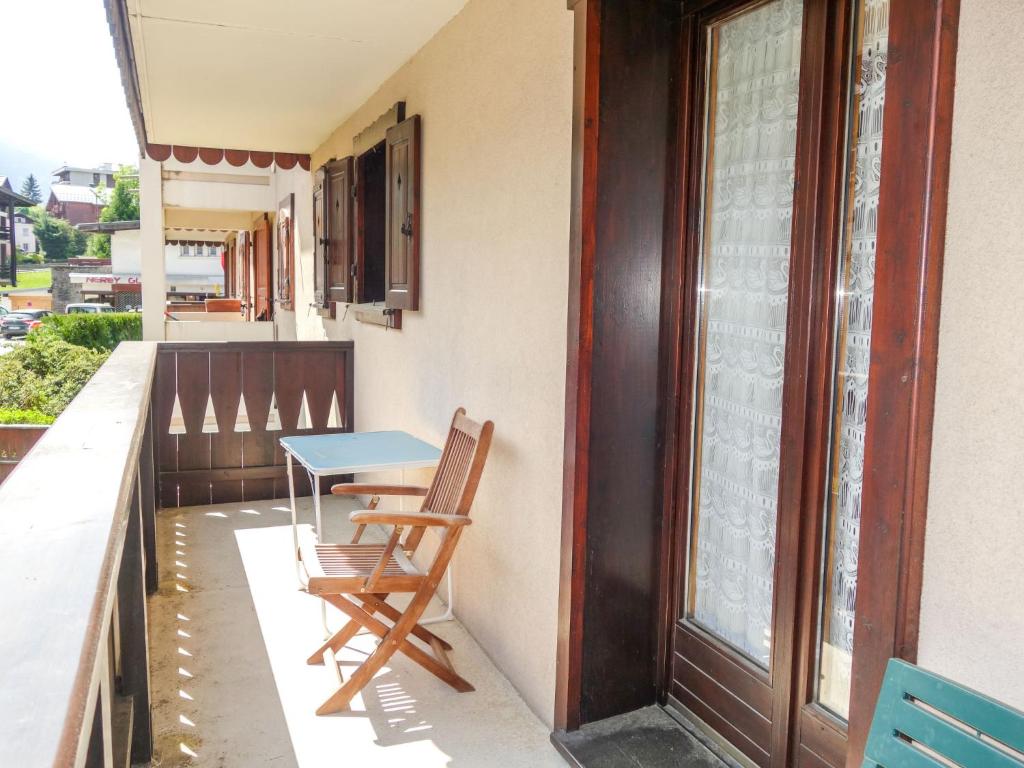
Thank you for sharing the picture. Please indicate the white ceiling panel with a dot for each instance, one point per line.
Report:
(267, 74)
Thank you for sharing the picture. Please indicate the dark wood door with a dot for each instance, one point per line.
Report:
(780, 170)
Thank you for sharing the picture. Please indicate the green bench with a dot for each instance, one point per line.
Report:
(923, 720)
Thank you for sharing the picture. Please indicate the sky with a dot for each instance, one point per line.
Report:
(68, 105)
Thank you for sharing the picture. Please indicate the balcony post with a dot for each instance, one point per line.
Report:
(134, 646)
(147, 482)
(151, 240)
(13, 276)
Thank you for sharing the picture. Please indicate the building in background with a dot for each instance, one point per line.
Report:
(85, 177)
(194, 269)
(76, 203)
(77, 195)
(25, 233)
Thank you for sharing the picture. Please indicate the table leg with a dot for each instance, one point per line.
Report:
(314, 484)
(295, 521)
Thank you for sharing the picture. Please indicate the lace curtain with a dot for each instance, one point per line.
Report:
(856, 293)
(748, 217)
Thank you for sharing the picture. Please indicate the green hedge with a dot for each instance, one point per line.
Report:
(95, 330)
(45, 373)
(15, 416)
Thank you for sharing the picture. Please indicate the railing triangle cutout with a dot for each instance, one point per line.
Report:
(274, 418)
(210, 418)
(304, 422)
(334, 417)
(177, 419)
(242, 419)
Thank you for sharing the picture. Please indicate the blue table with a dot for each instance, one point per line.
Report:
(346, 453)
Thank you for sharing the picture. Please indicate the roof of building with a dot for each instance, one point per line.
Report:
(8, 195)
(108, 226)
(101, 168)
(79, 193)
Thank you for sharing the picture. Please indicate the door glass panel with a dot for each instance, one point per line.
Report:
(753, 79)
(853, 353)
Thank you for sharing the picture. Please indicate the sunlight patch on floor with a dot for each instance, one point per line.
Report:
(231, 685)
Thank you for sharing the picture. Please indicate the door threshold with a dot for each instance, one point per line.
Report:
(648, 738)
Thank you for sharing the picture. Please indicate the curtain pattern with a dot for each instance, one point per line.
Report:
(748, 222)
(854, 351)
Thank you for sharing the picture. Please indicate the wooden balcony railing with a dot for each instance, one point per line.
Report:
(16, 440)
(77, 525)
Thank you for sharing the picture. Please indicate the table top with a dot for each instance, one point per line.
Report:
(344, 453)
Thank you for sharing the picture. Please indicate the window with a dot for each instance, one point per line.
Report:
(185, 251)
(95, 179)
(371, 214)
(366, 223)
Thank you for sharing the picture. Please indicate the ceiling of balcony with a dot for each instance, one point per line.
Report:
(265, 74)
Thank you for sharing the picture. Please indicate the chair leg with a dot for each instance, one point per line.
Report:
(341, 698)
(378, 604)
(335, 642)
(392, 639)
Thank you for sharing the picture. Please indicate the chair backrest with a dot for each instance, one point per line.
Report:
(462, 462)
(458, 471)
(923, 720)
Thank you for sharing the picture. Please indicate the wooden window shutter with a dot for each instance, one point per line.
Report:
(286, 252)
(402, 244)
(246, 264)
(340, 231)
(263, 267)
(320, 237)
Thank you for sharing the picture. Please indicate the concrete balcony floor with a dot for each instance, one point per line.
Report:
(230, 633)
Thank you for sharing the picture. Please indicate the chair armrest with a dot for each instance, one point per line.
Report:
(415, 519)
(351, 489)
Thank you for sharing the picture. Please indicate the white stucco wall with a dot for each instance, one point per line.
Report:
(972, 613)
(126, 258)
(494, 89)
(301, 322)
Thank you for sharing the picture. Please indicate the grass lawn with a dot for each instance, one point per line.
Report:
(39, 278)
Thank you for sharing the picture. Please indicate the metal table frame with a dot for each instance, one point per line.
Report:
(293, 448)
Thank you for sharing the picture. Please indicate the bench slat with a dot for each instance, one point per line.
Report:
(898, 718)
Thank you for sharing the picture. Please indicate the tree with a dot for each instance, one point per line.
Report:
(123, 206)
(30, 189)
(98, 247)
(124, 200)
(58, 239)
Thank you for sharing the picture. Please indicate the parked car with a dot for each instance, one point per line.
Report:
(21, 322)
(73, 309)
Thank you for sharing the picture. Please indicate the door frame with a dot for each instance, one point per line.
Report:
(918, 120)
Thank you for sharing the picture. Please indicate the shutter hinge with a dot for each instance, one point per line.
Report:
(353, 269)
(353, 191)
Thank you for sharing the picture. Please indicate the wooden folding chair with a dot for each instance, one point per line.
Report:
(357, 578)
